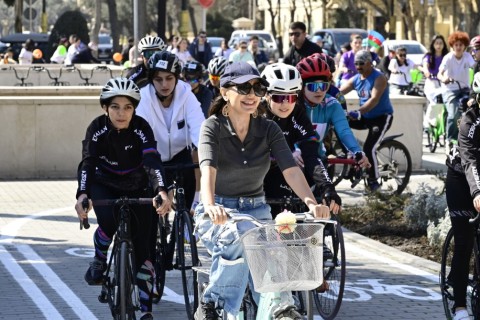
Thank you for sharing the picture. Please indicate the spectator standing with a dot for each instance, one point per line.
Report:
(181, 51)
(242, 54)
(301, 47)
(224, 50)
(26, 54)
(60, 52)
(172, 43)
(347, 61)
(8, 57)
(86, 55)
(200, 49)
(259, 56)
(76, 45)
(126, 50)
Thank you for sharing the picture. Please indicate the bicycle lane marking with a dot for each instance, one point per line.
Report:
(9, 233)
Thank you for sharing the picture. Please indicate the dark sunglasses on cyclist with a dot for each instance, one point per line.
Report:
(294, 34)
(402, 55)
(245, 88)
(191, 78)
(288, 98)
(359, 63)
(214, 78)
(192, 81)
(315, 86)
(148, 53)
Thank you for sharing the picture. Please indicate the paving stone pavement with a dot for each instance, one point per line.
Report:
(44, 255)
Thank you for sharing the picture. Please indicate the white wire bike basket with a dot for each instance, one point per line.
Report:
(280, 261)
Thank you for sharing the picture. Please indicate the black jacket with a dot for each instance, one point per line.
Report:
(294, 55)
(126, 160)
(139, 75)
(465, 159)
(197, 55)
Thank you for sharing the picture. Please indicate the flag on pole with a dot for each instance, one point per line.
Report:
(375, 39)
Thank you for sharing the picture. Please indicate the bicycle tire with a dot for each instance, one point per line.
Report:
(329, 301)
(125, 285)
(161, 260)
(432, 139)
(187, 258)
(394, 162)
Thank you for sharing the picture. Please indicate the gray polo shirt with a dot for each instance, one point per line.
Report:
(241, 167)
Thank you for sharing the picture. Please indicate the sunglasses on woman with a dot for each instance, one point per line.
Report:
(287, 98)
(244, 88)
(315, 86)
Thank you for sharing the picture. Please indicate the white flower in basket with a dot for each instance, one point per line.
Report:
(285, 222)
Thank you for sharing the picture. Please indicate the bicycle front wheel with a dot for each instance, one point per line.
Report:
(328, 297)
(125, 285)
(187, 258)
(394, 162)
(161, 260)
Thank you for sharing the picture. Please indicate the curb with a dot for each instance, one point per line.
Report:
(391, 252)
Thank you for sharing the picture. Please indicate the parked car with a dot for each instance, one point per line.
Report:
(215, 43)
(105, 48)
(335, 37)
(270, 44)
(415, 50)
(16, 41)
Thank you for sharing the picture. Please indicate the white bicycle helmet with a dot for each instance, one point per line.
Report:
(217, 65)
(282, 78)
(120, 87)
(151, 43)
(476, 83)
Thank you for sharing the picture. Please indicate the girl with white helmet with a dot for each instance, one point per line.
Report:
(284, 84)
(463, 199)
(216, 67)
(146, 47)
(120, 158)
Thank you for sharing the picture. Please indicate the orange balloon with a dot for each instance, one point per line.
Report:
(117, 57)
(37, 54)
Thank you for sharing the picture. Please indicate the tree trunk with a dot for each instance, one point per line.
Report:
(98, 19)
(114, 27)
(18, 15)
(162, 18)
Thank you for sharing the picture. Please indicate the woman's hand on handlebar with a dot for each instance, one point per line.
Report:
(320, 211)
(476, 203)
(165, 206)
(216, 213)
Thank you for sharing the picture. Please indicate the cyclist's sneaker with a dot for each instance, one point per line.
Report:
(373, 186)
(94, 274)
(147, 316)
(461, 315)
(287, 313)
(327, 253)
(206, 311)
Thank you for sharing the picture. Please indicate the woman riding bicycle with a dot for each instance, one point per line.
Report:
(284, 84)
(322, 109)
(400, 67)
(463, 199)
(455, 77)
(234, 152)
(120, 158)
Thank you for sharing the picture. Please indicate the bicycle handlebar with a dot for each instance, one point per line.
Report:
(123, 200)
(349, 161)
(181, 166)
(475, 220)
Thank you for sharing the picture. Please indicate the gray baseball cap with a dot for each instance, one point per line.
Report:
(363, 56)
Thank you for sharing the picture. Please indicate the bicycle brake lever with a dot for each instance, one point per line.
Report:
(84, 223)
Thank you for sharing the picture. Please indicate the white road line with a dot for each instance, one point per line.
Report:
(28, 286)
(368, 254)
(9, 232)
(54, 281)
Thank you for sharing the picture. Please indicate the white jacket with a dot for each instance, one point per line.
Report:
(186, 121)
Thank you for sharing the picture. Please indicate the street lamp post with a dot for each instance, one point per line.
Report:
(184, 19)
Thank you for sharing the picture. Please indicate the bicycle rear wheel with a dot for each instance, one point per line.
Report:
(125, 284)
(161, 260)
(187, 258)
(446, 285)
(328, 297)
(394, 162)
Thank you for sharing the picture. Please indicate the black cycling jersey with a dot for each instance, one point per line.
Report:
(299, 133)
(139, 75)
(125, 160)
(465, 158)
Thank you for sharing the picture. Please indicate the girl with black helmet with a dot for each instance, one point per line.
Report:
(118, 161)
(175, 115)
(193, 72)
(462, 191)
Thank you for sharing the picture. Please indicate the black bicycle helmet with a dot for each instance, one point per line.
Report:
(193, 70)
(164, 61)
(120, 87)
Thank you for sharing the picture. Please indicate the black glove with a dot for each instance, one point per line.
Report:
(330, 194)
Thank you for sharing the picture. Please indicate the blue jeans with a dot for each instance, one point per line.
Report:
(452, 102)
(229, 273)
